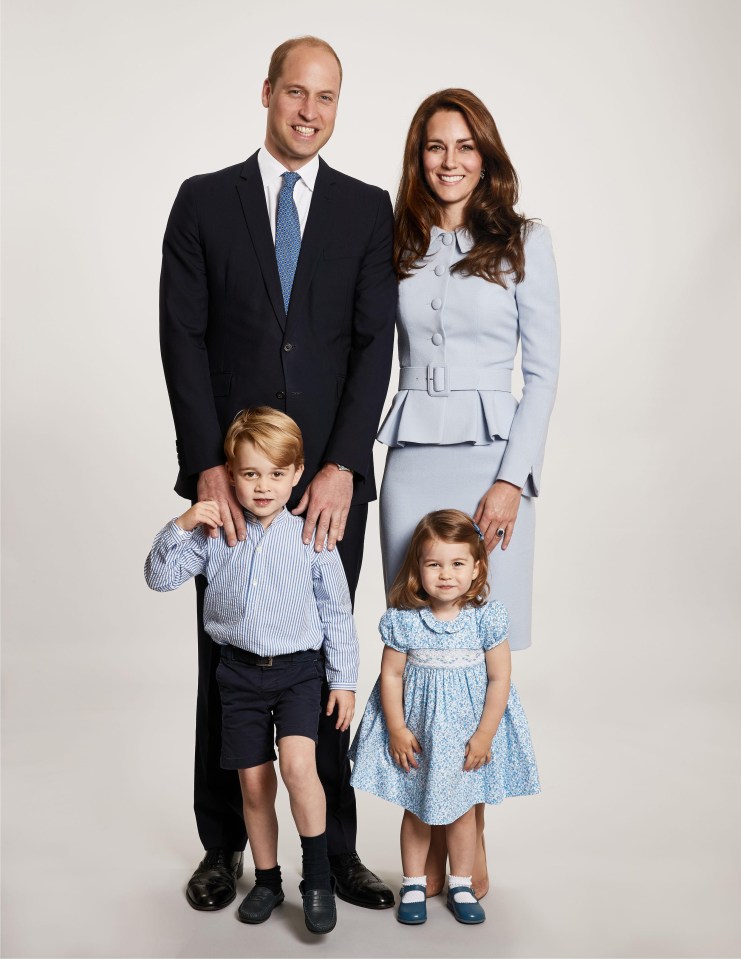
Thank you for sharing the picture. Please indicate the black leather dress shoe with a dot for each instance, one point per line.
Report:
(214, 883)
(357, 884)
(258, 904)
(320, 909)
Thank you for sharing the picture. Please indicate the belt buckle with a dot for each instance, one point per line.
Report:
(265, 661)
(432, 389)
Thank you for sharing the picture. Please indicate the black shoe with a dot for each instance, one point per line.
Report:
(258, 904)
(320, 909)
(214, 883)
(357, 884)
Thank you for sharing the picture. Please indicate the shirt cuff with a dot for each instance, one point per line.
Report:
(174, 534)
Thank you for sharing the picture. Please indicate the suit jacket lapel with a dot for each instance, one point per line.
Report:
(315, 235)
(252, 197)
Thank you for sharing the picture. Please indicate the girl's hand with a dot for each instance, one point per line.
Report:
(478, 753)
(344, 700)
(402, 746)
(497, 509)
(206, 513)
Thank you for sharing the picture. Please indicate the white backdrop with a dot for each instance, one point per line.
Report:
(621, 119)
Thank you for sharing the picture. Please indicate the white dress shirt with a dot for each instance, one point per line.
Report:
(271, 171)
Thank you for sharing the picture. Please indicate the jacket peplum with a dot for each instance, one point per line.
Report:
(458, 338)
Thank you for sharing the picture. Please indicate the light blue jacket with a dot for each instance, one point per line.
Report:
(458, 337)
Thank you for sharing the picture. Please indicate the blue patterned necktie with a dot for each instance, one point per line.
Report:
(287, 236)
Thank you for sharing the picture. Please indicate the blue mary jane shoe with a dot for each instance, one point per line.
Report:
(469, 913)
(412, 913)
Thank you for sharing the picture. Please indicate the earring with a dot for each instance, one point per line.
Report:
(483, 174)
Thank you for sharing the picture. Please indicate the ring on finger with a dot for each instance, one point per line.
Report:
(500, 532)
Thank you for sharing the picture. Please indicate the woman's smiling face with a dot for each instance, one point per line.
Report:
(452, 164)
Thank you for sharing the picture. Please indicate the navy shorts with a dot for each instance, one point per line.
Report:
(260, 704)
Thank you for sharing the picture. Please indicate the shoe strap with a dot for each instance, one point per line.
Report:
(405, 889)
(455, 889)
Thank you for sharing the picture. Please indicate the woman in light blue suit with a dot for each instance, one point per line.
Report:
(477, 278)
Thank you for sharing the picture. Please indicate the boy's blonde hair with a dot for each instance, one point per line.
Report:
(448, 526)
(274, 433)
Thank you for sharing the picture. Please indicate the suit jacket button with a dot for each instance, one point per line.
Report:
(288, 347)
(280, 396)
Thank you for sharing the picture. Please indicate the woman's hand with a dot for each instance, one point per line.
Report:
(402, 746)
(497, 510)
(478, 752)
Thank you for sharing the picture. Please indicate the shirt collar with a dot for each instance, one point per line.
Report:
(272, 169)
(254, 521)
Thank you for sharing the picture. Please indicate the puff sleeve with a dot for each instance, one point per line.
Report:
(493, 624)
(390, 633)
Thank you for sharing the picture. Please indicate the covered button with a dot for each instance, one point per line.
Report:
(436, 303)
(437, 339)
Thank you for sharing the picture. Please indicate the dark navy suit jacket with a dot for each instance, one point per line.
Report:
(228, 344)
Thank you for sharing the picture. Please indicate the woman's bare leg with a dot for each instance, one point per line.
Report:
(436, 866)
(480, 870)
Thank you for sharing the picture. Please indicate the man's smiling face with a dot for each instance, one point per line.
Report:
(302, 106)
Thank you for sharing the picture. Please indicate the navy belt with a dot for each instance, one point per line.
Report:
(252, 659)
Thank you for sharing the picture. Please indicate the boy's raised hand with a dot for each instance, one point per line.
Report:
(201, 514)
(402, 746)
(344, 700)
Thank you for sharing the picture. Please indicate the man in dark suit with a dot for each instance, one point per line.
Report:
(277, 289)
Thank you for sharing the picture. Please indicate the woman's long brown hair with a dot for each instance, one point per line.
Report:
(498, 231)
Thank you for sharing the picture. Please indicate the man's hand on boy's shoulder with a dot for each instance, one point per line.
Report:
(206, 514)
(344, 700)
(213, 484)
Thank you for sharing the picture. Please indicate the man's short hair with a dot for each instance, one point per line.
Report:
(274, 434)
(280, 53)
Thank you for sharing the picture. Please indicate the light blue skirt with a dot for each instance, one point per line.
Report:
(419, 479)
(443, 707)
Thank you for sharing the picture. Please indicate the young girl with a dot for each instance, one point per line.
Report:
(443, 729)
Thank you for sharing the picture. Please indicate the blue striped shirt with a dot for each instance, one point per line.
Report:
(270, 594)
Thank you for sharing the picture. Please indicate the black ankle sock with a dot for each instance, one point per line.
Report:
(316, 862)
(270, 878)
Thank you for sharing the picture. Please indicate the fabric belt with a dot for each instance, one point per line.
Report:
(443, 380)
(252, 659)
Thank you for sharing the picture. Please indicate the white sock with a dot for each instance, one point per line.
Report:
(465, 895)
(414, 895)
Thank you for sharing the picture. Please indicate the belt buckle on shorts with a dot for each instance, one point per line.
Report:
(265, 661)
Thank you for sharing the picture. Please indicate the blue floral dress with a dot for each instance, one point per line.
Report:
(445, 683)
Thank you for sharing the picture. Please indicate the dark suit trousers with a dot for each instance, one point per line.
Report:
(217, 795)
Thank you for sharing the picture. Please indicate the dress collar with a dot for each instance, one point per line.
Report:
(463, 239)
(444, 625)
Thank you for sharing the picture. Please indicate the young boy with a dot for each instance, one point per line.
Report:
(280, 611)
